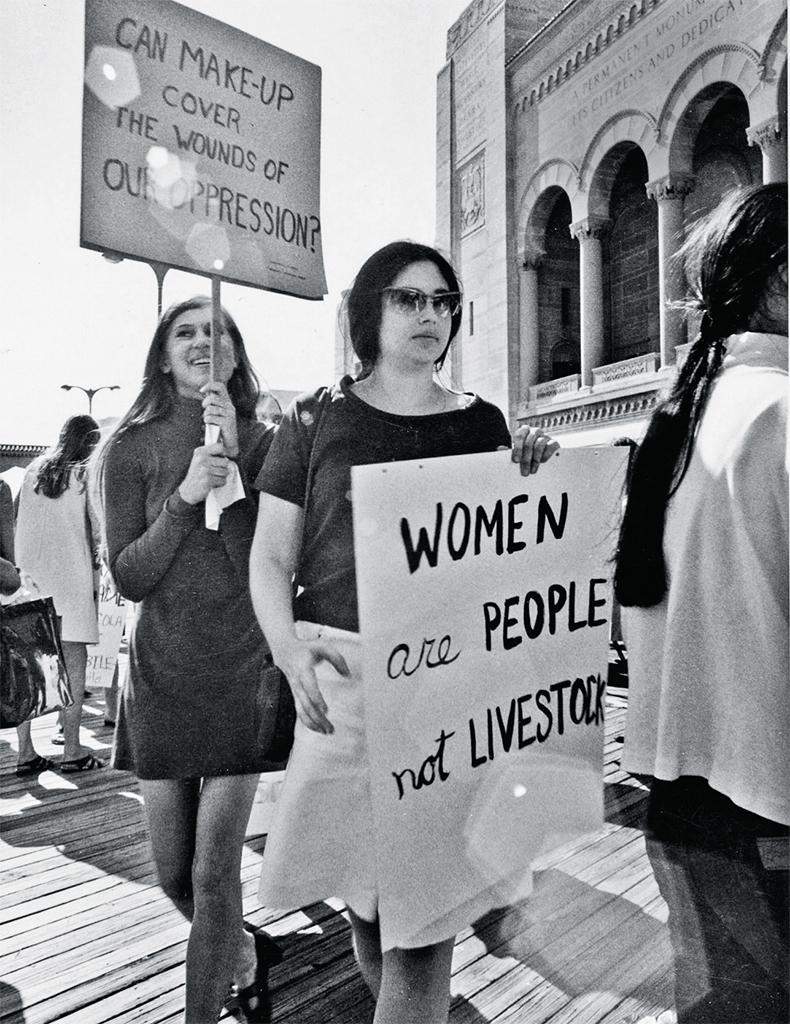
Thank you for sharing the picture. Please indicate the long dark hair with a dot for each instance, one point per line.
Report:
(732, 259)
(363, 304)
(158, 394)
(79, 435)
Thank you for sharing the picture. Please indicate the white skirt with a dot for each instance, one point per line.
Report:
(321, 841)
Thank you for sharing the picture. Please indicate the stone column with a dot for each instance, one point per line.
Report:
(590, 232)
(771, 137)
(670, 194)
(528, 323)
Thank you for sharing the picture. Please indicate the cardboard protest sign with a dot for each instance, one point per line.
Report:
(103, 657)
(201, 147)
(484, 602)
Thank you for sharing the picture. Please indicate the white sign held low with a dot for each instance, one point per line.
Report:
(485, 602)
(103, 657)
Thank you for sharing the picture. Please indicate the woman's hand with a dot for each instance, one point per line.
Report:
(219, 410)
(531, 448)
(299, 664)
(208, 469)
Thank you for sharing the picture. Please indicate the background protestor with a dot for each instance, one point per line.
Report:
(403, 311)
(28, 762)
(57, 544)
(702, 574)
(192, 721)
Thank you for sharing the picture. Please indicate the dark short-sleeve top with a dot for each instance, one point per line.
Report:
(343, 431)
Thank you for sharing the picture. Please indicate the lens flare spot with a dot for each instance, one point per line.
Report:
(157, 156)
(219, 264)
(206, 244)
(111, 75)
(519, 790)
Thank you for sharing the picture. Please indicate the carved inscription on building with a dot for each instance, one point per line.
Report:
(470, 69)
(468, 22)
(679, 28)
(472, 194)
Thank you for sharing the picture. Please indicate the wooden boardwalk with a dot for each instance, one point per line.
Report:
(87, 938)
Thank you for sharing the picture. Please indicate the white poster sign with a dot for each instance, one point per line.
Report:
(103, 657)
(201, 147)
(485, 603)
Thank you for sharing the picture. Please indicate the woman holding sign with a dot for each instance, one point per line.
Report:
(403, 311)
(702, 573)
(192, 723)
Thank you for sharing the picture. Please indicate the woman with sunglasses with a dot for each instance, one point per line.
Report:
(402, 313)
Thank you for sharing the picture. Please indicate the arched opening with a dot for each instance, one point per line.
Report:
(721, 157)
(558, 292)
(633, 262)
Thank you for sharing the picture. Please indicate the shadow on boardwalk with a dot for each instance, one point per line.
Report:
(87, 938)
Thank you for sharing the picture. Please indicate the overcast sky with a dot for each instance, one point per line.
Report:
(70, 317)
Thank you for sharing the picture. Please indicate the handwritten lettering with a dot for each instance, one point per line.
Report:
(398, 663)
(537, 611)
(458, 531)
(432, 767)
(216, 202)
(129, 37)
(218, 113)
(240, 80)
(579, 700)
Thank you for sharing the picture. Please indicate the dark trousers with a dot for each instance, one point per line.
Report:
(723, 874)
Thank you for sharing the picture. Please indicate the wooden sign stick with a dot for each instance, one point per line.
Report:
(216, 326)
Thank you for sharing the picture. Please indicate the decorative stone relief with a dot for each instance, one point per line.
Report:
(472, 194)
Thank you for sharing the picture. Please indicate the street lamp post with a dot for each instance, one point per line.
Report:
(90, 392)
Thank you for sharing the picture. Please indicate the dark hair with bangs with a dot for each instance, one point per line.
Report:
(363, 303)
(732, 261)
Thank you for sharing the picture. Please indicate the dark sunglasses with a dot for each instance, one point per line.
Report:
(412, 300)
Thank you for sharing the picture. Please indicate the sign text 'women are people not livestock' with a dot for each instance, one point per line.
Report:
(485, 603)
(201, 147)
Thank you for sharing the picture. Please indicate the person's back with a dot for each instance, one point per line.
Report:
(702, 573)
(57, 539)
(710, 663)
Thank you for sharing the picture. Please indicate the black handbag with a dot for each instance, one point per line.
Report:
(278, 716)
(33, 676)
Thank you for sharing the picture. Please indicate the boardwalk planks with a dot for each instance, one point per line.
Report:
(87, 938)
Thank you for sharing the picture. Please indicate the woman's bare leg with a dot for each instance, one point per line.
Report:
(171, 808)
(219, 949)
(367, 949)
(415, 985)
(76, 658)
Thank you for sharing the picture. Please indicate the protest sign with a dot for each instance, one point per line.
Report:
(201, 147)
(103, 657)
(484, 602)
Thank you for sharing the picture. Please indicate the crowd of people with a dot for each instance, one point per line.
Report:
(701, 573)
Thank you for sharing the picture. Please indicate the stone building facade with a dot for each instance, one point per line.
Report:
(576, 143)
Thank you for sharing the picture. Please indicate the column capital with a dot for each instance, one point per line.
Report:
(767, 134)
(593, 226)
(671, 186)
(530, 258)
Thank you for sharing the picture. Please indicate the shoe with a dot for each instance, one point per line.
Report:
(254, 1000)
(82, 764)
(35, 767)
(57, 737)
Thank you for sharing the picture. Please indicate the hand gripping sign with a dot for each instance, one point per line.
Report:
(484, 610)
